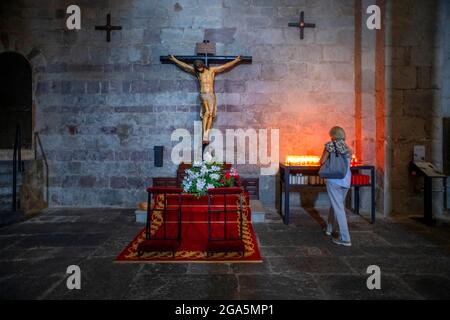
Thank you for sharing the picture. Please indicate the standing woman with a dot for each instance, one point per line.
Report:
(338, 188)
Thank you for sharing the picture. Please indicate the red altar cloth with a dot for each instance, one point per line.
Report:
(195, 209)
(194, 234)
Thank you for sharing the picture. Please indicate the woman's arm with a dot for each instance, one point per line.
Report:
(324, 157)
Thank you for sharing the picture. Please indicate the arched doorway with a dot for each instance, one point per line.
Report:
(15, 99)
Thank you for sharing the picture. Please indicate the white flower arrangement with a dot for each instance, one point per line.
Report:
(201, 177)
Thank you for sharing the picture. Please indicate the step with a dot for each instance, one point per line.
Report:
(5, 207)
(7, 190)
(8, 217)
(6, 180)
(6, 166)
(6, 201)
(141, 216)
(7, 155)
(258, 211)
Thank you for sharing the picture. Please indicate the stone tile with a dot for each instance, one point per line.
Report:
(209, 268)
(280, 227)
(357, 226)
(290, 238)
(8, 241)
(25, 287)
(101, 278)
(75, 252)
(60, 228)
(35, 273)
(315, 251)
(55, 265)
(45, 218)
(331, 265)
(125, 217)
(62, 240)
(111, 247)
(429, 286)
(13, 267)
(174, 286)
(165, 268)
(27, 228)
(65, 212)
(399, 237)
(10, 255)
(354, 287)
(260, 227)
(274, 287)
(280, 251)
(340, 251)
(92, 239)
(39, 253)
(417, 251)
(299, 261)
(365, 239)
(436, 251)
(289, 265)
(401, 265)
(129, 231)
(432, 238)
(251, 268)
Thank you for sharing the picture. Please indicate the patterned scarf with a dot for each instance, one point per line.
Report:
(341, 146)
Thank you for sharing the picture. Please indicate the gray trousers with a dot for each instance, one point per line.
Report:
(337, 215)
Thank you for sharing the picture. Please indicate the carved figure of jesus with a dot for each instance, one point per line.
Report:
(206, 76)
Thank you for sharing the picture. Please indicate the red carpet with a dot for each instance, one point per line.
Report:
(194, 232)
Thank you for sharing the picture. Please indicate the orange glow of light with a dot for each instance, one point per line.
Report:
(308, 161)
(312, 161)
(355, 162)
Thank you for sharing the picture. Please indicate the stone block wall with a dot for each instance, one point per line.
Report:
(101, 107)
(415, 88)
(445, 55)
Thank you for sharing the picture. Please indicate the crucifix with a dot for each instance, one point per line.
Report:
(108, 27)
(198, 66)
(302, 25)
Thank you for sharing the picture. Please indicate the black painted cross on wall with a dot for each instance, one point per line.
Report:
(302, 25)
(108, 27)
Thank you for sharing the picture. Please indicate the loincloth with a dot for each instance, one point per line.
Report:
(210, 98)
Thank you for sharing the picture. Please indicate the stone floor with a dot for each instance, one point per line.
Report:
(299, 261)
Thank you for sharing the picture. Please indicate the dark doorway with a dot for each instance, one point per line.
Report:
(447, 146)
(15, 99)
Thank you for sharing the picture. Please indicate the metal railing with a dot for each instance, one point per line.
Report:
(17, 166)
(38, 142)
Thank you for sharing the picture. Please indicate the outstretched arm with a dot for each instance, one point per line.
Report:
(227, 65)
(186, 67)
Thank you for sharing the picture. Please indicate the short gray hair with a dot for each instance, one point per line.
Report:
(337, 133)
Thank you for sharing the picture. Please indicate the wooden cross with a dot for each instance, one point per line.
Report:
(302, 25)
(108, 27)
(207, 59)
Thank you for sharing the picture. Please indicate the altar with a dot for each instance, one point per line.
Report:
(201, 224)
(194, 230)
